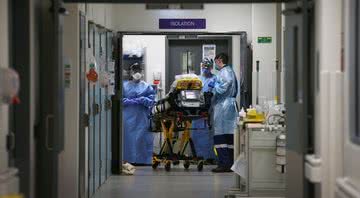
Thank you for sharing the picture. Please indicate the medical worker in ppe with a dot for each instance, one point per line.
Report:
(225, 89)
(202, 136)
(138, 98)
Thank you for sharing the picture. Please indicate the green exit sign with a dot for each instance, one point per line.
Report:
(264, 39)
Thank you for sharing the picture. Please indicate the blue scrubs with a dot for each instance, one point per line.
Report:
(138, 140)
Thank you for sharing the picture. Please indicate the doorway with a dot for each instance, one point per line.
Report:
(167, 58)
(184, 53)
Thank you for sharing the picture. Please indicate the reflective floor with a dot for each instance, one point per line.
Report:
(177, 183)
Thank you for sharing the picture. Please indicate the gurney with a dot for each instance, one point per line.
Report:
(184, 103)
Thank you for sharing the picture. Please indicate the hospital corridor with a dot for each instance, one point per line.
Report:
(179, 98)
(176, 183)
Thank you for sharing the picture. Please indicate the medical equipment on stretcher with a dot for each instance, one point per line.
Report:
(184, 103)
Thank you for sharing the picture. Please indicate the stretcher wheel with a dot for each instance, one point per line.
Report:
(186, 165)
(176, 162)
(168, 165)
(200, 166)
(155, 164)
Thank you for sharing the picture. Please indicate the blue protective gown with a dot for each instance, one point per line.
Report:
(138, 140)
(203, 137)
(225, 92)
(225, 113)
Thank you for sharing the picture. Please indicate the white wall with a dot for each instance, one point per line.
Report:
(328, 98)
(4, 62)
(101, 14)
(219, 17)
(69, 158)
(264, 24)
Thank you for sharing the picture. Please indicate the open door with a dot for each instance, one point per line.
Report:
(50, 131)
(348, 186)
(116, 125)
(299, 97)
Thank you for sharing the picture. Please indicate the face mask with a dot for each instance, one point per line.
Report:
(217, 67)
(137, 76)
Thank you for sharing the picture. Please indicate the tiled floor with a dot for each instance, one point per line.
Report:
(161, 184)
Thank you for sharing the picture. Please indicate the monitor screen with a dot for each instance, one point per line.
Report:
(191, 95)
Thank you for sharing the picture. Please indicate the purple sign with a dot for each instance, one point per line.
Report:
(182, 23)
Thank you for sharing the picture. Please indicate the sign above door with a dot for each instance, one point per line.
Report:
(182, 23)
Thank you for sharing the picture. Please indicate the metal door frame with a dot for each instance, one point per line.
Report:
(117, 130)
(19, 115)
(83, 122)
(50, 131)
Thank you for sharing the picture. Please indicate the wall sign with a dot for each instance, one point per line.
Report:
(182, 23)
(267, 39)
(209, 51)
(67, 75)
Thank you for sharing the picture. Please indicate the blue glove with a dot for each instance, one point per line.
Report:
(147, 102)
(133, 96)
(127, 101)
(212, 84)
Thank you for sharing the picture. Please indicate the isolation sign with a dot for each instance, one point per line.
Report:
(182, 23)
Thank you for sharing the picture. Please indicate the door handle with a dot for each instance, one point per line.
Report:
(297, 89)
(96, 109)
(85, 120)
(11, 141)
(108, 104)
(47, 121)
